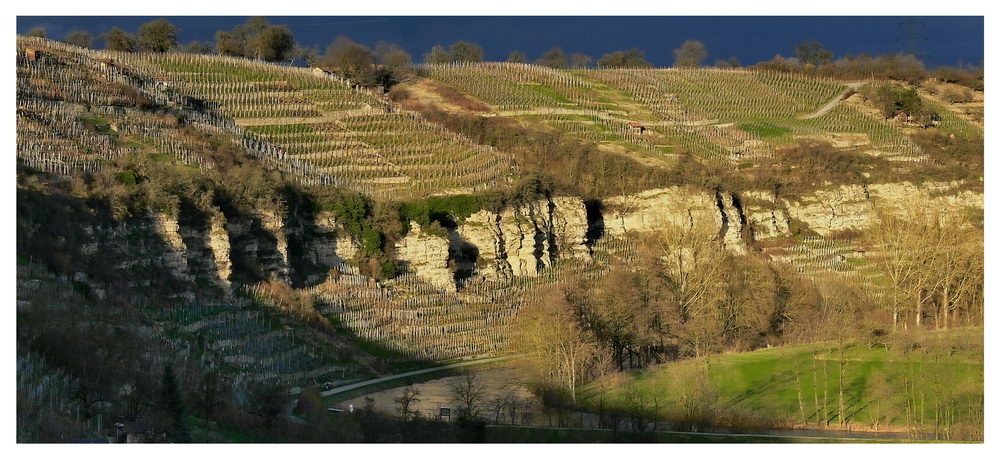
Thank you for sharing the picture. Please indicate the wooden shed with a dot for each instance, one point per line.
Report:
(636, 127)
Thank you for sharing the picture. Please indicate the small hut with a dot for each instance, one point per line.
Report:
(636, 127)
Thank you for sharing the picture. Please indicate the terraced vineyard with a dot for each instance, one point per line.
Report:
(258, 345)
(73, 116)
(346, 133)
(78, 110)
(720, 115)
(413, 320)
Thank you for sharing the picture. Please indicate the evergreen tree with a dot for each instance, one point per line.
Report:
(173, 405)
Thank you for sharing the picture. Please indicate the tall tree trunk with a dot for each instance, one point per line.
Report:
(572, 380)
(945, 306)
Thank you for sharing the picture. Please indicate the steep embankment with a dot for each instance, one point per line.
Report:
(81, 111)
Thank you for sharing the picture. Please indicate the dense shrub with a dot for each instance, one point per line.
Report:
(952, 158)
(902, 67)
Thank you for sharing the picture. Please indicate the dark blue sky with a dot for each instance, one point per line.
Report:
(950, 39)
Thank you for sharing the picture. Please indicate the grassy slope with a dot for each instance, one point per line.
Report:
(763, 382)
(505, 434)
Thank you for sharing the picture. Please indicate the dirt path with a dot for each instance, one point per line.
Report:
(852, 86)
(602, 115)
(327, 117)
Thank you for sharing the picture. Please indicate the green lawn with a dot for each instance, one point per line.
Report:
(764, 129)
(504, 434)
(765, 386)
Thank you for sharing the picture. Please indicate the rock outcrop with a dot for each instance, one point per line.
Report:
(427, 256)
(330, 247)
(732, 222)
(482, 231)
(522, 240)
(174, 258)
(652, 209)
(853, 206)
(273, 223)
(765, 215)
(218, 243)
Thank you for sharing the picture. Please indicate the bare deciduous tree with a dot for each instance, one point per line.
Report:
(405, 400)
(556, 345)
(690, 55)
(468, 392)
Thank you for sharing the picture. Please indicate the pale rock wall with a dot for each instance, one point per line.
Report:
(427, 256)
(764, 215)
(941, 199)
(174, 259)
(218, 243)
(653, 209)
(346, 248)
(569, 225)
(853, 206)
(731, 222)
(524, 240)
(273, 223)
(482, 231)
(830, 210)
(331, 247)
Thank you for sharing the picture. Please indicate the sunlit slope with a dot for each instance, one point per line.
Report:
(924, 380)
(720, 115)
(340, 130)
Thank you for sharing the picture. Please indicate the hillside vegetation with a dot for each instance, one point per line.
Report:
(925, 385)
(237, 228)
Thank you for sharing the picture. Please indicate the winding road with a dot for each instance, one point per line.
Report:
(387, 378)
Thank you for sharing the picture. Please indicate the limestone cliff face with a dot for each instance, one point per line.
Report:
(330, 247)
(732, 222)
(830, 210)
(207, 250)
(174, 258)
(482, 231)
(524, 243)
(257, 247)
(765, 215)
(937, 197)
(519, 241)
(653, 209)
(568, 222)
(427, 256)
(218, 243)
(853, 206)
(522, 240)
(273, 223)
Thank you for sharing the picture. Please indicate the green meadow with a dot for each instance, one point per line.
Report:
(933, 382)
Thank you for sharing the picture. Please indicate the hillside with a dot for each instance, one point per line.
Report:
(913, 386)
(277, 225)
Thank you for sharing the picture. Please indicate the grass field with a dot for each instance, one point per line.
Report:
(563, 435)
(934, 386)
